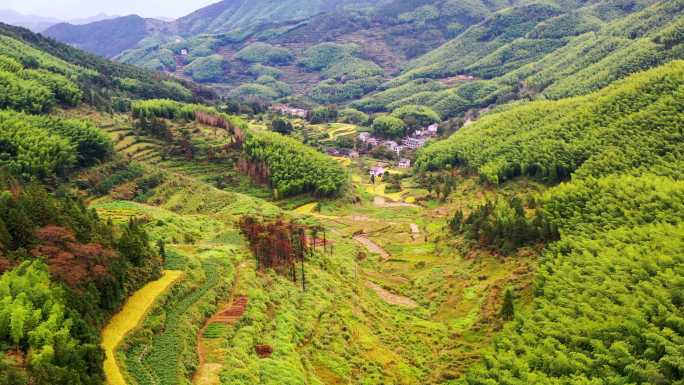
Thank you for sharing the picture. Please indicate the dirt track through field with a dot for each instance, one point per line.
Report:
(208, 373)
(372, 246)
(391, 298)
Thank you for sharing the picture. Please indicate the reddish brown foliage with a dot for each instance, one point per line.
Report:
(74, 263)
(263, 351)
(257, 171)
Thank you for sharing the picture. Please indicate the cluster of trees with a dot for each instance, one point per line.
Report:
(34, 90)
(291, 167)
(266, 88)
(504, 225)
(208, 69)
(324, 114)
(416, 116)
(36, 318)
(165, 108)
(441, 184)
(43, 147)
(280, 245)
(333, 91)
(615, 232)
(322, 55)
(53, 319)
(629, 125)
(265, 53)
(389, 127)
(346, 76)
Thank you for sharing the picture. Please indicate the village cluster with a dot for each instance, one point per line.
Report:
(367, 142)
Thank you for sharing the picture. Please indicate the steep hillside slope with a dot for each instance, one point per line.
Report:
(102, 78)
(620, 216)
(557, 55)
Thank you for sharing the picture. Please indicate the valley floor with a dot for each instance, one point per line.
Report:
(392, 300)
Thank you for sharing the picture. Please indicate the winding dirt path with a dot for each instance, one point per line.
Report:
(372, 246)
(391, 298)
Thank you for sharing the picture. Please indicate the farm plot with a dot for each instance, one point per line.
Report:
(128, 319)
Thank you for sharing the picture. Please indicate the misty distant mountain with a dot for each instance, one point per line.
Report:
(92, 19)
(32, 22)
(107, 37)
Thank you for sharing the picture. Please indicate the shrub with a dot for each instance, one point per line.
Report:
(264, 53)
(208, 69)
(416, 116)
(323, 55)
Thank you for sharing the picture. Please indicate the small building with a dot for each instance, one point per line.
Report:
(377, 171)
(184, 52)
(433, 129)
(390, 145)
(353, 154)
(372, 141)
(286, 110)
(332, 151)
(364, 136)
(414, 143)
(405, 163)
(399, 149)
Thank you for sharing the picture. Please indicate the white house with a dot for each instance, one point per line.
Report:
(414, 143)
(377, 171)
(284, 109)
(184, 52)
(364, 136)
(405, 163)
(433, 128)
(390, 144)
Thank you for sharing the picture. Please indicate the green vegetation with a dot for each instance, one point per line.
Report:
(35, 317)
(619, 223)
(350, 115)
(416, 116)
(323, 55)
(389, 127)
(352, 68)
(96, 76)
(42, 147)
(208, 69)
(265, 54)
(258, 70)
(170, 352)
(294, 168)
(613, 129)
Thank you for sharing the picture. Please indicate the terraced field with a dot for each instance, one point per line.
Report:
(129, 318)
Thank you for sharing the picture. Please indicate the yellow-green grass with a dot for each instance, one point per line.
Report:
(307, 208)
(128, 319)
(346, 162)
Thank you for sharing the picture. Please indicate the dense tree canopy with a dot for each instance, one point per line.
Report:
(389, 126)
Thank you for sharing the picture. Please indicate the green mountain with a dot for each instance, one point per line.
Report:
(619, 151)
(229, 15)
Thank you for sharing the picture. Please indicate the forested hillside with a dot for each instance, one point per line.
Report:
(619, 210)
(65, 270)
